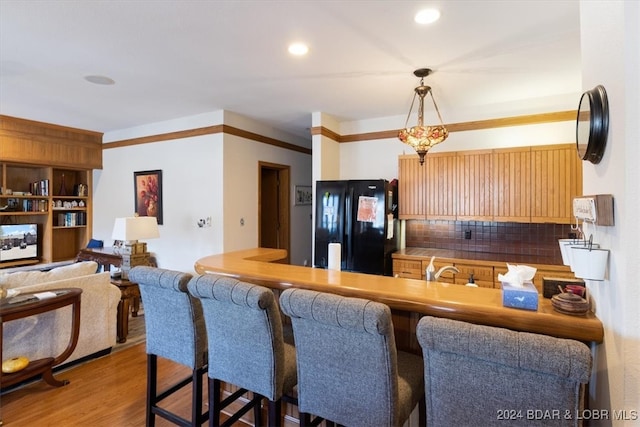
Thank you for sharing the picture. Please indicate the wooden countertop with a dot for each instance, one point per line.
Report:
(475, 305)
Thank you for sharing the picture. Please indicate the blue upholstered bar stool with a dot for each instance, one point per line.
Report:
(482, 375)
(246, 347)
(349, 371)
(175, 330)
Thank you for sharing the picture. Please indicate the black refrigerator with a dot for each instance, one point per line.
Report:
(361, 215)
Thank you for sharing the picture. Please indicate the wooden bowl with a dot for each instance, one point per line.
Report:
(568, 303)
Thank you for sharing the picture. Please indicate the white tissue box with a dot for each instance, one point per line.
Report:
(525, 297)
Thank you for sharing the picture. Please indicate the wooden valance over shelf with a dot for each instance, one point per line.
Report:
(38, 143)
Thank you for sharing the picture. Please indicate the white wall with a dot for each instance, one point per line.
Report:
(241, 195)
(188, 168)
(610, 42)
(211, 175)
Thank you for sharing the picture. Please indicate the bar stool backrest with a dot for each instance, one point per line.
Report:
(475, 375)
(244, 322)
(174, 323)
(347, 359)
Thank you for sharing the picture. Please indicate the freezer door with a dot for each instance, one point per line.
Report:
(330, 220)
(368, 226)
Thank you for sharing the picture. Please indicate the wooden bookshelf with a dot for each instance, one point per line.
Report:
(46, 176)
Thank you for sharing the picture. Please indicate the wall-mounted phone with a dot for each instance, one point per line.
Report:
(596, 209)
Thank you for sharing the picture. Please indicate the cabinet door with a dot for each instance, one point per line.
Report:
(441, 185)
(474, 185)
(556, 180)
(408, 269)
(512, 184)
(411, 188)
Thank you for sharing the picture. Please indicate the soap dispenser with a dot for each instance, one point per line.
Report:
(471, 283)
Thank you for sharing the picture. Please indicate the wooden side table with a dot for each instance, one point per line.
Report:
(106, 257)
(129, 300)
(9, 312)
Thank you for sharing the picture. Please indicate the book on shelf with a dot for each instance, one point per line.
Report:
(72, 219)
(34, 205)
(40, 188)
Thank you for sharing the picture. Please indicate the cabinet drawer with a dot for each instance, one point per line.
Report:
(480, 273)
(407, 269)
(135, 260)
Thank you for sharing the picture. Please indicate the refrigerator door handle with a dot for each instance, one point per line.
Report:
(348, 231)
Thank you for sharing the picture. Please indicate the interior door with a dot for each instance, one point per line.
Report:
(273, 207)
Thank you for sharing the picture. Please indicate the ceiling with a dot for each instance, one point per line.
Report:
(173, 59)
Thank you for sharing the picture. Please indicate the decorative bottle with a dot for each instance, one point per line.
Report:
(63, 189)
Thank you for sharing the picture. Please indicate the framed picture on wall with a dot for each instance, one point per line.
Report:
(304, 195)
(147, 186)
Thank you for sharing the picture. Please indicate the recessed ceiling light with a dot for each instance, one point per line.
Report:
(100, 80)
(298, 49)
(427, 16)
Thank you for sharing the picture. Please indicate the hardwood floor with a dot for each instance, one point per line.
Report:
(105, 392)
(109, 391)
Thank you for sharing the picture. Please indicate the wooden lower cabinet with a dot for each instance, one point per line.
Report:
(482, 275)
(407, 269)
(485, 273)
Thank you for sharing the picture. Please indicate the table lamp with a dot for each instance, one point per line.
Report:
(131, 229)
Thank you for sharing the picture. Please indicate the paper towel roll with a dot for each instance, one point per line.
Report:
(335, 253)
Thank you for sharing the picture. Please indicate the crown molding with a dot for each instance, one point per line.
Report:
(209, 130)
(559, 116)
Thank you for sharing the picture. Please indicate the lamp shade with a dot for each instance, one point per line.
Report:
(135, 228)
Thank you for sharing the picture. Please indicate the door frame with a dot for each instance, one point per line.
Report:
(284, 205)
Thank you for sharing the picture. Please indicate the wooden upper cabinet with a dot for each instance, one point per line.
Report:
(512, 184)
(411, 188)
(441, 179)
(38, 143)
(474, 185)
(527, 184)
(556, 180)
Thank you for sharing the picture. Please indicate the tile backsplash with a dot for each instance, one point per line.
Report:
(495, 237)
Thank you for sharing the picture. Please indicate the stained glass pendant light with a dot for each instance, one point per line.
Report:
(422, 138)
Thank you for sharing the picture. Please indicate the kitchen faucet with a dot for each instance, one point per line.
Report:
(431, 276)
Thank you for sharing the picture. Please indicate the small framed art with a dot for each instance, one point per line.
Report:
(304, 195)
(147, 186)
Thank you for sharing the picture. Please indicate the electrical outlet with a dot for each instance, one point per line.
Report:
(467, 234)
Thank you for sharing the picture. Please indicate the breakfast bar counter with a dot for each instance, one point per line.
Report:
(409, 299)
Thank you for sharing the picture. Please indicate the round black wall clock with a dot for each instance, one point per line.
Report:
(592, 126)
